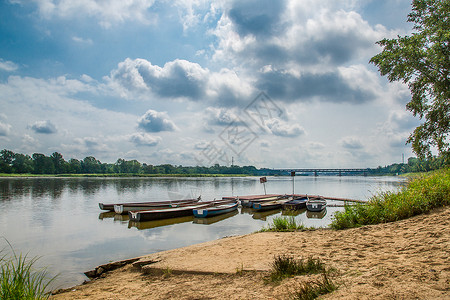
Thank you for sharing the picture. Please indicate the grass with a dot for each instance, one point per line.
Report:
(285, 266)
(20, 280)
(314, 289)
(283, 224)
(422, 194)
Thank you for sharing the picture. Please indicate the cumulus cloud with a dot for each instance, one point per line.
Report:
(178, 79)
(282, 128)
(154, 121)
(8, 66)
(44, 127)
(351, 143)
(145, 139)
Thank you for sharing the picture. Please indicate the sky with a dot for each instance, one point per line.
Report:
(278, 84)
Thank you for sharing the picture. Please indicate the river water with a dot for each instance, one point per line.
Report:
(58, 219)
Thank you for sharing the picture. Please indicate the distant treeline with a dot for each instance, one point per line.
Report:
(38, 163)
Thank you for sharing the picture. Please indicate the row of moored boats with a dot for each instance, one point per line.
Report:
(147, 211)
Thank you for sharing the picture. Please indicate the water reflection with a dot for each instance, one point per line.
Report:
(264, 214)
(316, 214)
(159, 223)
(215, 219)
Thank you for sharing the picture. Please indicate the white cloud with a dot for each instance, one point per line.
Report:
(282, 128)
(154, 121)
(82, 40)
(8, 66)
(145, 139)
(107, 13)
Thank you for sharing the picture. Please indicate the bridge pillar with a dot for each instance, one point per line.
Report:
(315, 173)
(340, 174)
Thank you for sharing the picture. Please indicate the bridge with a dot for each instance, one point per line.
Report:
(340, 172)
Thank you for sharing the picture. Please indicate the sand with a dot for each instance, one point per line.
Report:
(407, 259)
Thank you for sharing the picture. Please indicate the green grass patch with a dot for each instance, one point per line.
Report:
(315, 289)
(422, 194)
(285, 266)
(283, 224)
(19, 279)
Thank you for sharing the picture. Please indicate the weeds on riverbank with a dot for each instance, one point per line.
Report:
(421, 195)
(20, 280)
(285, 266)
(314, 289)
(283, 224)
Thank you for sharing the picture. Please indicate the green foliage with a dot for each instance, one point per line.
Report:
(283, 224)
(421, 195)
(20, 280)
(285, 266)
(422, 61)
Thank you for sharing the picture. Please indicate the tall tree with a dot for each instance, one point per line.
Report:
(6, 160)
(422, 61)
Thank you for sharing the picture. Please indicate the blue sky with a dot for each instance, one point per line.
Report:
(265, 83)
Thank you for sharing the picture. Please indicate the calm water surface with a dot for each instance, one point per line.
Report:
(59, 219)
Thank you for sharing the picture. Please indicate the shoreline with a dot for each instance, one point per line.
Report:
(403, 259)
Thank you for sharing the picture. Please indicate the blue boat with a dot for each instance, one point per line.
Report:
(215, 210)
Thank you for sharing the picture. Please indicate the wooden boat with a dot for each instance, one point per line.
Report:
(316, 204)
(270, 205)
(215, 210)
(146, 205)
(295, 204)
(124, 208)
(248, 201)
(171, 212)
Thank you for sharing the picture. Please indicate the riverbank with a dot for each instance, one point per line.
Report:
(407, 259)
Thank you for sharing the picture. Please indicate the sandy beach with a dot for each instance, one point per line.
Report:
(407, 259)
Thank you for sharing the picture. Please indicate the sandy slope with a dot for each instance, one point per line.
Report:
(408, 259)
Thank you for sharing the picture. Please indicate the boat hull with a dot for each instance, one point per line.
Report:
(214, 211)
(295, 204)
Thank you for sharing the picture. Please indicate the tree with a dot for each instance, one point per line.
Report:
(42, 164)
(58, 162)
(6, 160)
(22, 163)
(422, 61)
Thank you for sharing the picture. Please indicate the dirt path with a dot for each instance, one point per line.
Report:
(408, 259)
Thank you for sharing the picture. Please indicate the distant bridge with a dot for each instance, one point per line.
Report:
(339, 172)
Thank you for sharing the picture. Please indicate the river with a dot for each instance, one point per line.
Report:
(58, 219)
